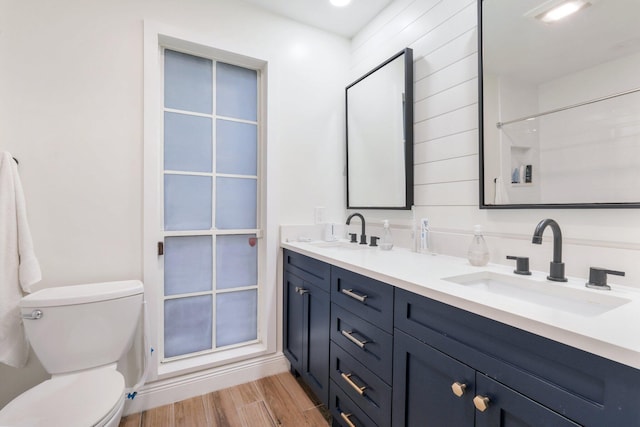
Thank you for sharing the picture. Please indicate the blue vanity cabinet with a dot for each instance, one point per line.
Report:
(528, 380)
(508, 408)
(306, 320)
(422, 386)
(381, 356)
(361, 350)
(433, 389)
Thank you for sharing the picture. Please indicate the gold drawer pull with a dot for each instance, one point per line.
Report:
(349, 292)
(481, 403)
(353, 339)
(458, 388)
(347, 377)
(346, 419)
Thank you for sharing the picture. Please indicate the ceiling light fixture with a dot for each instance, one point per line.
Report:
(562, 10)
(340, 3)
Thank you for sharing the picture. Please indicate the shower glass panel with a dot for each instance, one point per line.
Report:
(187, 142)
(187, 202)
(237, 314)
(185, 332)
(188, 265)
(236, 147)
(236, 261)
(236, 203)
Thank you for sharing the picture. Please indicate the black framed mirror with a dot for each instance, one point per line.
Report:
(379, 134)
(559, 104)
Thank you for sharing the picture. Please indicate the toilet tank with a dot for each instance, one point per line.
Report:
(82, 326)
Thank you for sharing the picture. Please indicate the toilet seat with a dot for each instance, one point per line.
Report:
(85, 399)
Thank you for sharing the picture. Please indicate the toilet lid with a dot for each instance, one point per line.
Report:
(67, 400)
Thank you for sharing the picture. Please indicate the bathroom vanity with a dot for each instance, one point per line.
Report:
(403, 339)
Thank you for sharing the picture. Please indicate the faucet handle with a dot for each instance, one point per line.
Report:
(522, 265)
(353, 237)
(374, 241)
(598, 278)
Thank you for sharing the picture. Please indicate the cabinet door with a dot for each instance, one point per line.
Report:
(508, 408)
(293, 322)
(422, 386)
(315, 366)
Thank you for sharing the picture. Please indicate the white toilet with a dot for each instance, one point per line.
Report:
(78, 333)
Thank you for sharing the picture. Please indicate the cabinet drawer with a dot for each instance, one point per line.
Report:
(345, 412)
(366, 297)
(366, 389)
(316, 272)
(367, 343)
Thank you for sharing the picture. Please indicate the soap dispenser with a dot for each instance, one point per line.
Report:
(478, 254)
(386, 242)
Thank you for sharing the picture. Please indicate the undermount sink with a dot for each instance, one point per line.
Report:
(545, 294)
(342, 244)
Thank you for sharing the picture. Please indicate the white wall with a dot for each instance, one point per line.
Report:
(599, 158)
(443, 35)
(71, 110)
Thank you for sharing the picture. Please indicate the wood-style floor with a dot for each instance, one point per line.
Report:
(279, 400)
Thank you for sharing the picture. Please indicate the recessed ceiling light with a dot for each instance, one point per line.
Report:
(340, 3)
(562, 10)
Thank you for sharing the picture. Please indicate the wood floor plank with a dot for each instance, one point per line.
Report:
(274, 401)
(256, 414)
(279, 403)
(190, 413)
(220, 409)
(162, 416)
(315, 418)
(296, 393)
(133, 420)
(245, 394)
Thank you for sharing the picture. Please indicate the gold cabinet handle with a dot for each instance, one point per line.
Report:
(458, 388)
(353, 339)
(359, 389)
(346, 419)
(481, 403)
(301, 291)
(350, 293)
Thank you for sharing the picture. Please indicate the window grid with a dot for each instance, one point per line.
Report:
(213, 232)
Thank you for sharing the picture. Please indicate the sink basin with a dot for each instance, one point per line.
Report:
(339, 244)
(545, 294)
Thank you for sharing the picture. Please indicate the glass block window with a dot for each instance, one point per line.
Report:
(210, 205)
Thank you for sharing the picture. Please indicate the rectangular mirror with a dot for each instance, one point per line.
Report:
(379, 108)
(559, 104)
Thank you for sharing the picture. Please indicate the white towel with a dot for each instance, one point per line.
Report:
(19, 268)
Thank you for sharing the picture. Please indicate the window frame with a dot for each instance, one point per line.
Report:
(157, 38)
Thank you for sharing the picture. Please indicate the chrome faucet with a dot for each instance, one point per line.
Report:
(363, 236)
(556, 267)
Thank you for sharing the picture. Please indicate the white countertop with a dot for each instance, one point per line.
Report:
(614, 334)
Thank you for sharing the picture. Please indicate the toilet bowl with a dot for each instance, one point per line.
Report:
(78, 333)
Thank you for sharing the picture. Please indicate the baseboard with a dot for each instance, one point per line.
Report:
(175, 389)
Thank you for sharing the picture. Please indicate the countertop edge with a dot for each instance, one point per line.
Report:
(629, 356)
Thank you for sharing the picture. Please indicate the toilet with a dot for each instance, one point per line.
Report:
(78, 333)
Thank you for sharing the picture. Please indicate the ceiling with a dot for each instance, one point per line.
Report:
(517, 44)
(344, 21)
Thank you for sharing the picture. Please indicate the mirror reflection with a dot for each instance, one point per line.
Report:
(380, 136)
(560, 103)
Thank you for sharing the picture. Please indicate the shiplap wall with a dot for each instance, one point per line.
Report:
(443, 35)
